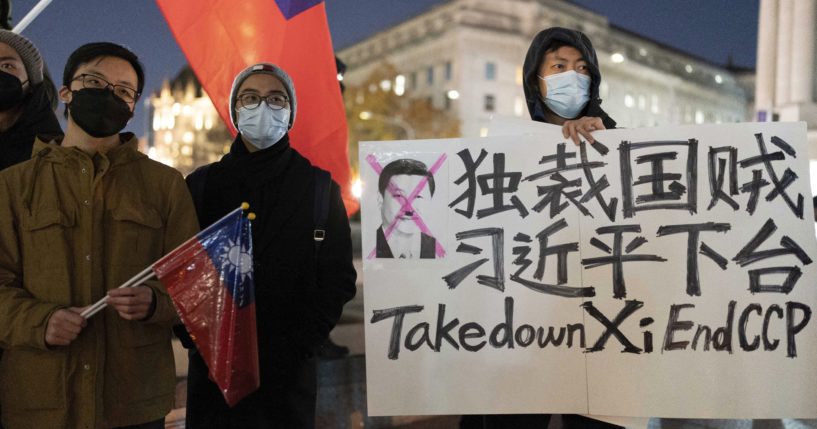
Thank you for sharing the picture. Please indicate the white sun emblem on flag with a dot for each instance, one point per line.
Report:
(237, 260)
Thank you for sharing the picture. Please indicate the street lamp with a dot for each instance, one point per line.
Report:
(394, 121)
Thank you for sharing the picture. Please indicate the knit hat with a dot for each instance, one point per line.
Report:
(32, 60)
(265, 68)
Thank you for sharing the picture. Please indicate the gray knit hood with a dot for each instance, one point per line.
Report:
(32, 60)
(265, 68)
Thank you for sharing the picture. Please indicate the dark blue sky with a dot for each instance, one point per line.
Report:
(711, 29)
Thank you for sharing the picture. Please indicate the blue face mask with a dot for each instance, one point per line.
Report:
(567, 93)
(263, 126)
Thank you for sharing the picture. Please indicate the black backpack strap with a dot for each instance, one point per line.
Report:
(196, 182)
(323, 183)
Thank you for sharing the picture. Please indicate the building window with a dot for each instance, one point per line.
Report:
(490, 71)
(519, 75)
(430, 75)
(490, 103)
(413, 80)
(629, 101)
(448, 70)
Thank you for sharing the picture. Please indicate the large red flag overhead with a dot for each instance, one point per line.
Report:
(222, 37)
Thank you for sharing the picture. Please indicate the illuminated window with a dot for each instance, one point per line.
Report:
(519, 106)
(699, 117)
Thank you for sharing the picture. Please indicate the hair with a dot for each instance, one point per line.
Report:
(554, 46)
(91, 51)
(410, 167)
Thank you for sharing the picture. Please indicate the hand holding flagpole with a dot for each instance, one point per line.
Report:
(148, 273)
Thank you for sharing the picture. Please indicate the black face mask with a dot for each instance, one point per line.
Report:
(11, 91)
(99, 112)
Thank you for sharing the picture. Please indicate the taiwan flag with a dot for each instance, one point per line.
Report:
(222, 37)
(210, 279)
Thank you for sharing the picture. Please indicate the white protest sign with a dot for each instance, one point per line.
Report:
(660, 272)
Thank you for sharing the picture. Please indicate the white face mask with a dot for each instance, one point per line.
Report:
(263, 126)
(567, 93)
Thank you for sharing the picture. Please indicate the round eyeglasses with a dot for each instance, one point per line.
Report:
(252, 101)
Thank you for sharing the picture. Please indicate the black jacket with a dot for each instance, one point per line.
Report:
(37, 119)
(299, 297)
(536, 53)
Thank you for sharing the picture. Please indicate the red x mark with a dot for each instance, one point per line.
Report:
(406, 206)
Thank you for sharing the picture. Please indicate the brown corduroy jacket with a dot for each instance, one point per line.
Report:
(73, 226)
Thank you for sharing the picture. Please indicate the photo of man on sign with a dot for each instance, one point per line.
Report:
(405, 190)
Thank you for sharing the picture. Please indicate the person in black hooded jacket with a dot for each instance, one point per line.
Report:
(561, 83)
(25, 107)
(299, 289)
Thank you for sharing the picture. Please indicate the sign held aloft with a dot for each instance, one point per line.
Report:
(660, 272)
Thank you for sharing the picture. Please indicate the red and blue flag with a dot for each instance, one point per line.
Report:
(210, 279)
(222, 37)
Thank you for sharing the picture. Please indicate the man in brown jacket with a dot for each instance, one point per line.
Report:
(81, 217)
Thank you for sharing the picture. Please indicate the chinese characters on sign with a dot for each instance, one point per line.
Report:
(666, 257)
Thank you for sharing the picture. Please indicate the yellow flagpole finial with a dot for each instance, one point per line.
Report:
(245, 206)
(251, 216)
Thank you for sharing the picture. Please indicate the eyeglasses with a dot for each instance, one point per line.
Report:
(91, 81)
(252, 101)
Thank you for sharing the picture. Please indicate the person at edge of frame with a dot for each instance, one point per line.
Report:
(26, 96)
(84, 215)
(561, 83)
(25, 105)
(300, 289)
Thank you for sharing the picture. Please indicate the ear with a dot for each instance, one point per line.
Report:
(65, 95)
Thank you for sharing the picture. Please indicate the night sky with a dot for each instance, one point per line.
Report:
(711, 29)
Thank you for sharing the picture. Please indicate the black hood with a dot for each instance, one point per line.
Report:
(37, 118)
(536, 53)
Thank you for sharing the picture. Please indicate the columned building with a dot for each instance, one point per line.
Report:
(466, 56)
(786, 70)
(186, 130)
